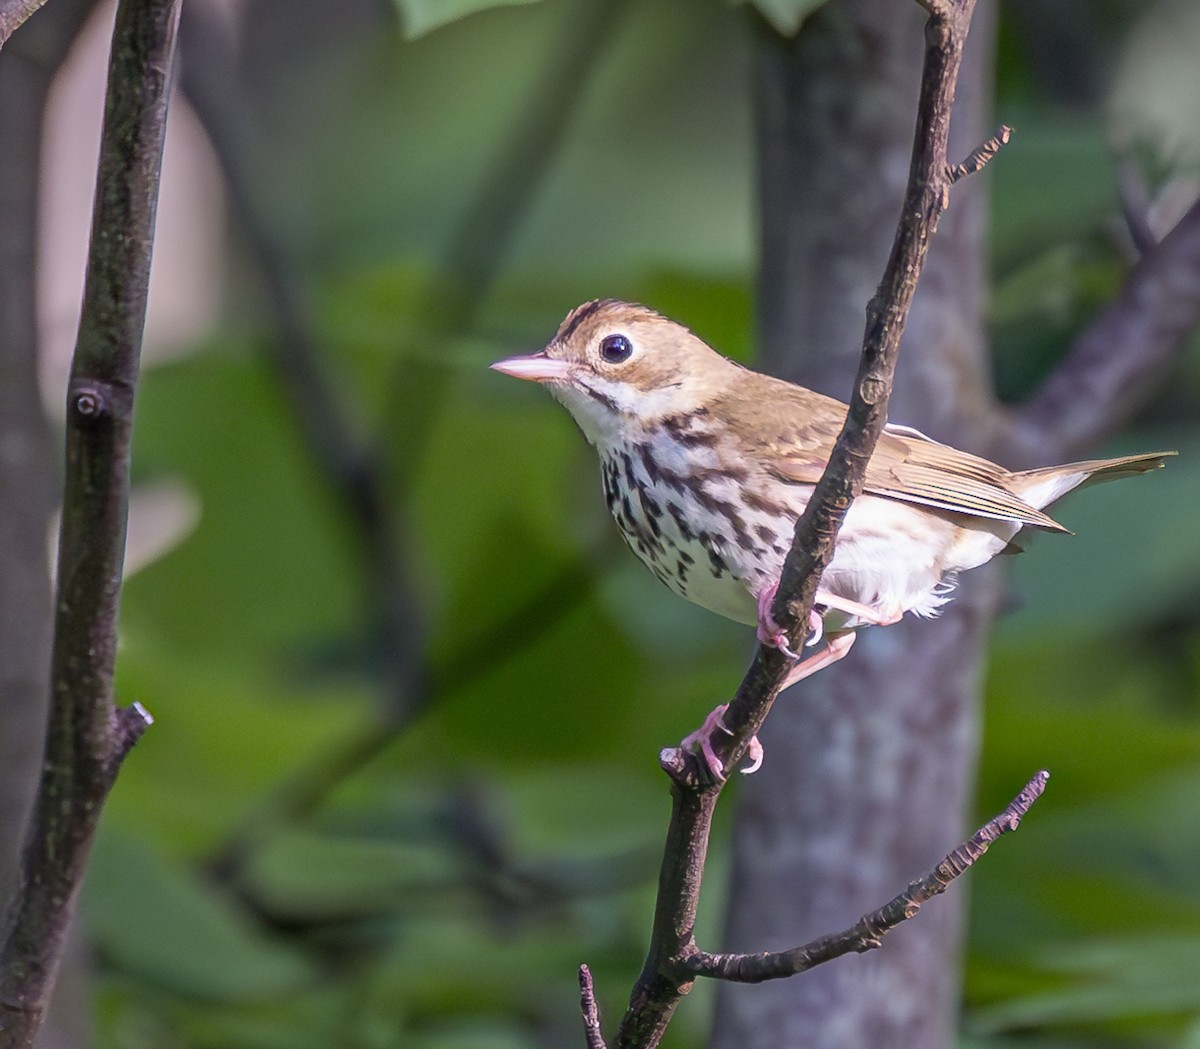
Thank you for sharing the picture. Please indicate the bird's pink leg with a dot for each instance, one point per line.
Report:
(771, 633)
(835, 648)
(860, 611)
(702, 738)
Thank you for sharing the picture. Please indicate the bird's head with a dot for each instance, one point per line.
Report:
(616, 365)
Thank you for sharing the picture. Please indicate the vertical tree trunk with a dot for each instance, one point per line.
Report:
(869, 766)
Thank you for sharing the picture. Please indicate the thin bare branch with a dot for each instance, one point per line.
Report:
(592, 1037)
(981, 156)
(1116, 360)
(868, 932)
(925, 198)
(130, 724)
(87, 736)
(1135, 204)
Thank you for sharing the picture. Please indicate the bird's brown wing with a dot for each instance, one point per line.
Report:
(910, 467)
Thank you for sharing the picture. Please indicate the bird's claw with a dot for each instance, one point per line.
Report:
(770, 633)
(816, 626)
(701, 739)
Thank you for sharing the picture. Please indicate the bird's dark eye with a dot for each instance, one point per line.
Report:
(615, 348)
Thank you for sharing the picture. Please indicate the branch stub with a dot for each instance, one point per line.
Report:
(89, 403)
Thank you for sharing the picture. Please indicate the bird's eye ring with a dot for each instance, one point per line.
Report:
(615, 348)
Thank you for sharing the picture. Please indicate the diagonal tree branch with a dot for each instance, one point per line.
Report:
(1116, 360)
(868, 932)
(356, 467)
(666, 975)
(212, 83)
(88, 735)
(925, 198)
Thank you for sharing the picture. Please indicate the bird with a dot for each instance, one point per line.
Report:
(706, 466)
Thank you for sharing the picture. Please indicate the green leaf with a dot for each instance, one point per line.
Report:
(267, 527)
(1034, 209)
(424, 16)
(312, 876)
(158, 921)
(1142, 977)
(786, 15)
(230, 731)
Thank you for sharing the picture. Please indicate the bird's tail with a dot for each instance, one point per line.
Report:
(1043, 486)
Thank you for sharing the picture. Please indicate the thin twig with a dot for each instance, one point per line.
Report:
(1135, 204)
(591, 1011)
(29, 462)
(87, 736)
(926, 196)
(867, 933)
(980, 157)
(356, 466)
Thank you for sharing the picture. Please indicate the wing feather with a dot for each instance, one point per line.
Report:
(912, 468)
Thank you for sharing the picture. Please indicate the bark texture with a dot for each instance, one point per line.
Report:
(87, 735)
(869, 768)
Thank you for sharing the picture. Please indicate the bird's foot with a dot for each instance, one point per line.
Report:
(702, 738)
(770, 633)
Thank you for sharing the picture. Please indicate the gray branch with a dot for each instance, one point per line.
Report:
(1116, 360)
(87, 735)
(868, 932)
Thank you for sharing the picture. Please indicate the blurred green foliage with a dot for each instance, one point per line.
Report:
(443, 893)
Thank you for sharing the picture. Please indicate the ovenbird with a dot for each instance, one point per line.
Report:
(707, 465)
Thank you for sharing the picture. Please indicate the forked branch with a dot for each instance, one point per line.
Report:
(868, 932)
(925, 198)
(673, 960)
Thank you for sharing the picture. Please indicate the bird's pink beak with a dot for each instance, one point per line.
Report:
(537, 367)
